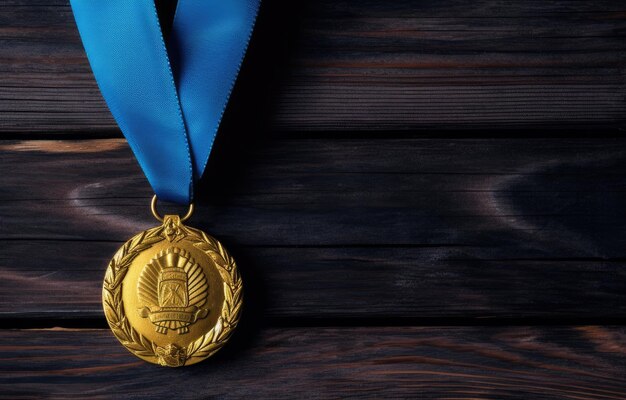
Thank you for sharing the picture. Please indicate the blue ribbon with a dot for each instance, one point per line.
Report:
(168, 100)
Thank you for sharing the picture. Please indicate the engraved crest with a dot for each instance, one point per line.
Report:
(173, 288)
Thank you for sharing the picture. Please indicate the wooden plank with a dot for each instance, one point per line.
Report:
(63, 280)
(358, 65)
(586, 362)
(342, 229)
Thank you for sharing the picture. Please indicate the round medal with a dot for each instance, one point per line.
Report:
(172, 294)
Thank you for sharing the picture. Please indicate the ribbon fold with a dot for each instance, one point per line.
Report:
(168, 99)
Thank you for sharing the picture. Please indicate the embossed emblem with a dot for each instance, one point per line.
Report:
(173, 289)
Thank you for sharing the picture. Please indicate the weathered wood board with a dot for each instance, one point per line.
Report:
(408, 228)
(523, 362)
(359, 65)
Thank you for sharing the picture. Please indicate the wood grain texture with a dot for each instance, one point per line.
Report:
(359, 65)
(352, 236)
(524, 362)
(403, 228)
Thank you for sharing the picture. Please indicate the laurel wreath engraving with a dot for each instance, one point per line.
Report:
(172, 355)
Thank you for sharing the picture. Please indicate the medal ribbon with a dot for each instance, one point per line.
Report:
(168, 100)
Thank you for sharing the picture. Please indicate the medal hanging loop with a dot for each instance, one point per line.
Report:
(159, 217)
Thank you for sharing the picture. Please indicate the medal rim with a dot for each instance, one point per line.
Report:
(172, 355)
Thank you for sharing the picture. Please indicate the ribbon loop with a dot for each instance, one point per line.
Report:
(167, 100)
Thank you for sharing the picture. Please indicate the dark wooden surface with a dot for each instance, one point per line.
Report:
(347, 228)
(525, 362)
(426, 200)
(360, 65)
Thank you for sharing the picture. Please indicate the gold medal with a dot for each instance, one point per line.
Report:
(172, 294)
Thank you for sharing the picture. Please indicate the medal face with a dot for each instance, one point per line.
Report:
(172, 294)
